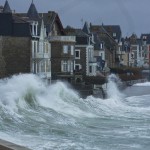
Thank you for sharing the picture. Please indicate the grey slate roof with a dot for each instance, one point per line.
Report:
(75, 32)
(81, 37)
(12, 25)
(103, 35)
(6, 8)
(97, 42)
(113, 29)
(32, 12)
(49, 19)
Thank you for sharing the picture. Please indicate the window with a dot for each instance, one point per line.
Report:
(90, 69)
(90, 54)
(46, 47)
(71, 66)
(101, 46)
(144, 37)
(77, 54)
(72, 50)
(35, 46)
(65, 49)
(33, 28)
(40, 46)
(77, 67)
(43, 66)
(47, 65)
(114, 34)
(64, 66)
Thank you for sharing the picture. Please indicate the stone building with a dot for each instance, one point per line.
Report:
(62, 48)
(40, 46)
(109, 44)
(2, 62)
(15, 41)
(85, 63)
(41, 49)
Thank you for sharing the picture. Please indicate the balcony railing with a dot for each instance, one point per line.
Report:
(63, 38)
(93, 60)
(44, 74)
(41, 55)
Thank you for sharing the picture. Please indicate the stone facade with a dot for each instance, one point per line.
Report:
(2, 63)
(63, 62)
(16, 52)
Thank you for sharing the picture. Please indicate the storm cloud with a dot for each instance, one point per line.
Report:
(131, 15)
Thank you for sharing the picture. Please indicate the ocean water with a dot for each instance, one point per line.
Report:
(54, 117)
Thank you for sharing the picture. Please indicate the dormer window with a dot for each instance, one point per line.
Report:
(114, 34)
(34, 28)
(144, 37)
(65, 49)
(101, 45)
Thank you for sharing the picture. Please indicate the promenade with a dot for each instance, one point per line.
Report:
(5, 145)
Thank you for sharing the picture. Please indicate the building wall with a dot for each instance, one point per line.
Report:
(2, 67)
(17, 53)
(125, 59)
(109, 58)
(57, 55)
(2, 63)
(82, 59)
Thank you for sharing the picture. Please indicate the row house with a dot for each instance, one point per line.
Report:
(135, 58)
(145, 48)
(107, 46)
(41, 48)
(15, 43)
(115, 32)
(135, 50)
(85, 63)
(99, 53)
(123, 52)
(63, 59)
(24, 41)
(62, 48)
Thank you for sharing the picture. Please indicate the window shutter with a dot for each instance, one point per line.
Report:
(62, 66)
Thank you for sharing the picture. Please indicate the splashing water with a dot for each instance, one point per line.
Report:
(54, 117)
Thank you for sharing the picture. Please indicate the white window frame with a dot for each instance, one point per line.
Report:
(65, 49)
(80, 67)
(114, 34)
(101, 45)
(72, 50)
(64, 66)
(90, 69)
(77, 50)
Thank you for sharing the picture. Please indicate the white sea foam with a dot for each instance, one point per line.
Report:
(142, 84)
(45, 112)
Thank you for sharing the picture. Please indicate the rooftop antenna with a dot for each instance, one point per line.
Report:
(82, 21)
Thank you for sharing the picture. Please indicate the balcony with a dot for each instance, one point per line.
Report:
(42, 55)
(62, 38)
(44, 74)
(93, 61)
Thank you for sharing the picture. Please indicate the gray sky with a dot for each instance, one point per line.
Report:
(131, 15)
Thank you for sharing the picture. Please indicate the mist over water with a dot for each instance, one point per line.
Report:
(43, 117)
